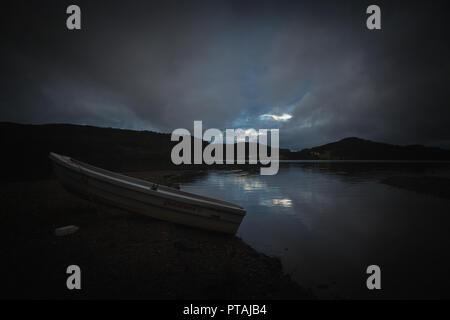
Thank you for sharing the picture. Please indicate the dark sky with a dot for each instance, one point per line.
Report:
(233, 64)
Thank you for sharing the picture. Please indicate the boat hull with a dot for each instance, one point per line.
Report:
(160, 205)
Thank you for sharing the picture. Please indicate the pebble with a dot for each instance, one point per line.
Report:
(64, 231)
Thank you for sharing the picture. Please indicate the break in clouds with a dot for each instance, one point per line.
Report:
(312, 69)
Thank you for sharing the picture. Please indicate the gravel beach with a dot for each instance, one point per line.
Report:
(123, 255)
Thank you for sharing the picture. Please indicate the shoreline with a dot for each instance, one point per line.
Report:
(124, 255)
(429, 185)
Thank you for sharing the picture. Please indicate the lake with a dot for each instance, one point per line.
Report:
(328, 222)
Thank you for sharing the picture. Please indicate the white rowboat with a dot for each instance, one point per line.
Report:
(147, 198)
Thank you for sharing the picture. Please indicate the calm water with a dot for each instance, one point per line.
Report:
(328, 222)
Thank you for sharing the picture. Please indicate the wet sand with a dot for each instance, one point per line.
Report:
(124, 255)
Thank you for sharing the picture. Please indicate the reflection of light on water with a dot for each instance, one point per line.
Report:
(286, 203)
(249, 185)
(282, 202)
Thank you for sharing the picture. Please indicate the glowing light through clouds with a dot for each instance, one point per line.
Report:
(283, 117)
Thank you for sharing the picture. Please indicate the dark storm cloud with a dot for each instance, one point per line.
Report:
(149, 65)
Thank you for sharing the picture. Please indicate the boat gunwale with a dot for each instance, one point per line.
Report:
(106, 201)
(144, 186)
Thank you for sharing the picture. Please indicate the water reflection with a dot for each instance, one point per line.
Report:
(286, 203)
(247, 184)
(328, 223)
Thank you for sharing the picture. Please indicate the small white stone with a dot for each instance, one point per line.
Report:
(63, 231)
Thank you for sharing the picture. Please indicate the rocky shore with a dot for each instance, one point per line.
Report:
(124, 255)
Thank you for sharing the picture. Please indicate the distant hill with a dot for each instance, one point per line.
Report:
(25, 149)
(360, 149)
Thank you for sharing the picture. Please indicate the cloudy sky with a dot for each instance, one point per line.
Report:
(310, 68)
